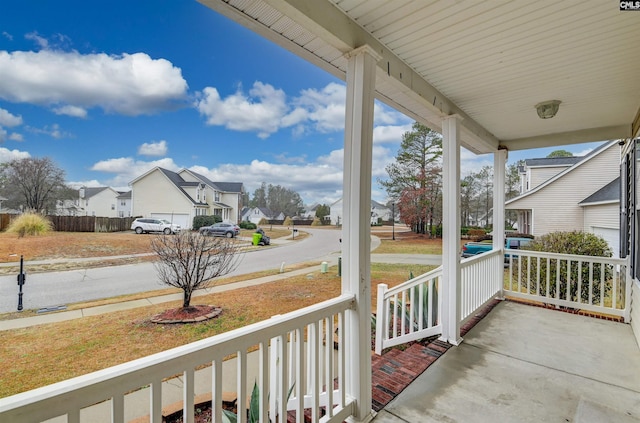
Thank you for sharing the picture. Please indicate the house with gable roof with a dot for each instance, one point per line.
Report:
(180, 196)
(98, 201)
(579, 193)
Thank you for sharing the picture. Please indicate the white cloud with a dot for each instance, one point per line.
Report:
(73, 111)
(8, 119)
(93, 183)
(53, 131)
(153, 148)
(42, 42)
(265, 110)
(7, 155)
(390, 133)
(127, 169)
(8, 36)
(130, 84)
(16, 137)
(261, 110)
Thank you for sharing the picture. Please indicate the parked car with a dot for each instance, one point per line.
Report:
(471, 249)
(146, 225)
(229, 230)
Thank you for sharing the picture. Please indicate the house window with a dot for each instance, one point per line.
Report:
(217, 196)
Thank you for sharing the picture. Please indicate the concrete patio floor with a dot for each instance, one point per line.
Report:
(524, 364)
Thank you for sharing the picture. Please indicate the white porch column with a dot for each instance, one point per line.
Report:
(451, 230)
(499, 164)
(356, 228)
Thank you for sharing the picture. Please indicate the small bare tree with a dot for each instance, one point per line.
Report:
(190, 261)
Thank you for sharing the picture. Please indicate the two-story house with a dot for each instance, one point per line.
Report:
(571, 193)
(180, 196)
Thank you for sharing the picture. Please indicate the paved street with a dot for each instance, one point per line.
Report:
(53, 289)
(59, 288)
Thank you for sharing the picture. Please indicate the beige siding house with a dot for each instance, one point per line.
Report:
(537, 171)
(567, 201)
(179, 197)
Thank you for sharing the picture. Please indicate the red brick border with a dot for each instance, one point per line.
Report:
(393, 371)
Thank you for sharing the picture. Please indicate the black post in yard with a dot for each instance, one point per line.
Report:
(21, 280)
(393, 221)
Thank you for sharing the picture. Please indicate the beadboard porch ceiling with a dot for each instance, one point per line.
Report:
(490, 62)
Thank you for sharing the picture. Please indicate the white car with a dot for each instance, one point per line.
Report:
(146, 225)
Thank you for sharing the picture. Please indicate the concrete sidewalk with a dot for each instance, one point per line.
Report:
(151, 300)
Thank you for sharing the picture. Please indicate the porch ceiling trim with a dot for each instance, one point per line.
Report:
(488, 62)
(329, 35)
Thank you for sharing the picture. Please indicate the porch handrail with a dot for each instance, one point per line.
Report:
(570, 280)
(480, 281)
(409, 311)
(70, 396)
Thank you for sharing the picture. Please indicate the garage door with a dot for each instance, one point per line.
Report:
(177, 218)
(612, 237)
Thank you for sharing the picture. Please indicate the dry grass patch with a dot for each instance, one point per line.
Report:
(45, 354)
(409, 243)
(55, 245)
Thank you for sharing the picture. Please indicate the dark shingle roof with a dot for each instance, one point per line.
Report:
(609, 192)
(179, 183)
(90, 192)
(222, 186)
(553, 161)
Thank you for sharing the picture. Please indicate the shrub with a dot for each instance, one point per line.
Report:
(30, 224)
(287, 221)
(578, 243)
(200, 221)
(316, 222)
(263, 221)
(247, 225)
(476, 233)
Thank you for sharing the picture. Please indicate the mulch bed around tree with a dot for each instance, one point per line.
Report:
(191, 314)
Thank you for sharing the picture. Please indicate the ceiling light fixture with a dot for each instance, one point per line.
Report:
(548, 109)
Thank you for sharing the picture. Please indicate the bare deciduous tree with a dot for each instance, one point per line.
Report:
(191, 261)
(32, 183)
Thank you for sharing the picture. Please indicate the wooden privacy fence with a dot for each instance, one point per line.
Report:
(91, 223)
(79, 223)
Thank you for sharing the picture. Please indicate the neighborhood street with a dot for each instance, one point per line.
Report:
(59, 288)
(52, 289)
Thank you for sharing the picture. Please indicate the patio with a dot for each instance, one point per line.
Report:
(522, 363)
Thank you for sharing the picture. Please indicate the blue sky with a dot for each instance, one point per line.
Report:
(109, 90)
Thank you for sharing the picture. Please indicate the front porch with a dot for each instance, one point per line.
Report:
(522, 363)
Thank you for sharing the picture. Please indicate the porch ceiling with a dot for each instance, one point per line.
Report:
(490, 62)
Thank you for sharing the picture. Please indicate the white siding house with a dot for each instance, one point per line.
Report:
(100, 201)
(124, 204)
(539, 170)
(379, 212)
(568, 201)
(256, 214)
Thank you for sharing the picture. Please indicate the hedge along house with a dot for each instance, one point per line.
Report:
(492, 77)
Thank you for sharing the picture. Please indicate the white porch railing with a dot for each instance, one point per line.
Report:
(480, 278)
(318, 376)
(598, 284)
(409, 311)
